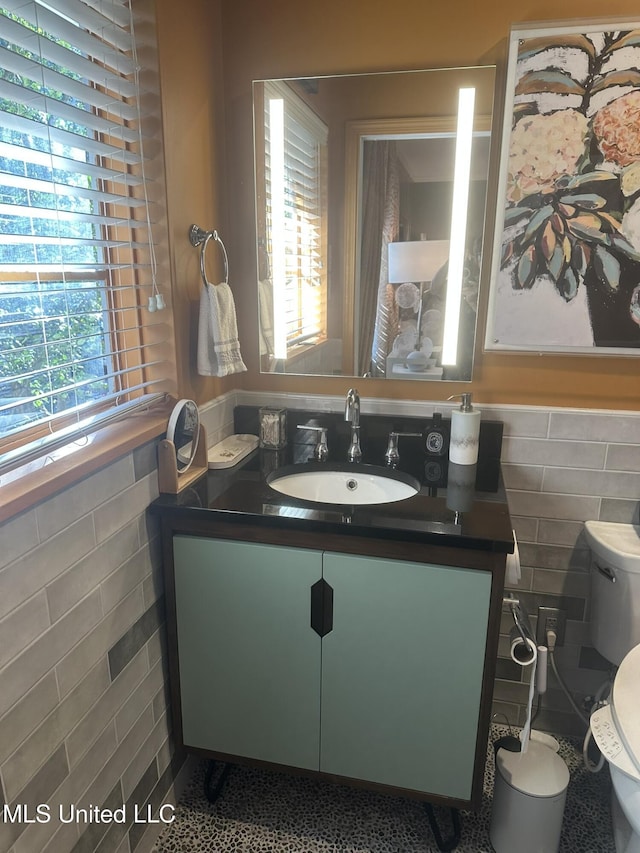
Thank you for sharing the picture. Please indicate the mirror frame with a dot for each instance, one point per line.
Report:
(180, 410)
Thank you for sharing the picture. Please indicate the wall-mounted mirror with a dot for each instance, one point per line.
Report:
(359, 182)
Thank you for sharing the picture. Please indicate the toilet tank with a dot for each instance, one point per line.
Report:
(615, 587)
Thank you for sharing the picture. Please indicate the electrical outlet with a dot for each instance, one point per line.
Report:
(551, 619)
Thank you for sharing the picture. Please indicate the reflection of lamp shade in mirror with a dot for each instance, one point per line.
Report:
(416, 260)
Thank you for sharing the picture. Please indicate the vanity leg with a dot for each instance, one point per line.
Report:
(454, 839)
(212, 791)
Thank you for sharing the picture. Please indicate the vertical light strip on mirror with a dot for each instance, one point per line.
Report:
(464, 135)
(278, 257)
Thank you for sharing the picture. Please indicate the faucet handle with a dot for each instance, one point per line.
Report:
(392, 455)
(321, 450)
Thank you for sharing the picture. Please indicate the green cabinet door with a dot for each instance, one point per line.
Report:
(402, 673)
(249, 660)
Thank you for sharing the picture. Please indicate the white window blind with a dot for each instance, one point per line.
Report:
(305, 151)
(77, 209)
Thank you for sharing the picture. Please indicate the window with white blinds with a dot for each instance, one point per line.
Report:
(77, 209)
(304, 295)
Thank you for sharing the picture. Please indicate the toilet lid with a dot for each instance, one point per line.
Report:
(616, 727)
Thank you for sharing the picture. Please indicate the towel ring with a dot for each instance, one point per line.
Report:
(200, 237)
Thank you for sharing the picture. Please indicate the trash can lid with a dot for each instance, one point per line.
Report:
(538, 772)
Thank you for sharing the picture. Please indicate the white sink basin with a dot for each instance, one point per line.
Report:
(343, 484)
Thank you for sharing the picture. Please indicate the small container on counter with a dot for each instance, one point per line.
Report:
(273, 428)
(436, 436)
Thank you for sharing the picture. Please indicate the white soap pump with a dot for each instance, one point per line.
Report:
(465, 432)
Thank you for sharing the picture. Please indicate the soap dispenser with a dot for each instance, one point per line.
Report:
(465, 432)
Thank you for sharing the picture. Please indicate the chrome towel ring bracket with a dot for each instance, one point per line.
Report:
(199, 237)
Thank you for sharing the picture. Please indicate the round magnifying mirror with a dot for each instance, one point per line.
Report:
(184, 430)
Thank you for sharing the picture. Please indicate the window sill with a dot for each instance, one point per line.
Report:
(27, 486)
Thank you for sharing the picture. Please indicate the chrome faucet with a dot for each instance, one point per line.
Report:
(352, 415)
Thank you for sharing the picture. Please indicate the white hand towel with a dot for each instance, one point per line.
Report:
(218, 345)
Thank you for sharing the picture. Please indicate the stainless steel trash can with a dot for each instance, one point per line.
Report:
(528, 800)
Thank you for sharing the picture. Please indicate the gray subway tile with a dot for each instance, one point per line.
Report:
(131, 503)
(526, 478)
(27, 714)
(61, 510)
(161, 701)
(575, 584)
(27, 575)
(559, 532)
(590, 426)
(97, 643)
(153, 585)
(93, 834)
(522, 422)
(138, 699)
(116, 840)
(145, 460)
(526, 528)
(22, 626)
(42, 785)
(23, 671)
(623, 457)
(549, 453)
(19, 535)
(544, 505)
(625, 511)
(72, 790)
(142, 798)
(105, 707)
(146, 754)
(123, 580)
(117, 763)
(553, 557)
(68, 588)
(128, 645)
(21, 765)
(610, 484)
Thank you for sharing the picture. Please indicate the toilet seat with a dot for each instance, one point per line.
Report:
(616, 726)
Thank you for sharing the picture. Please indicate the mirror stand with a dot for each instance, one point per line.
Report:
(170, 480)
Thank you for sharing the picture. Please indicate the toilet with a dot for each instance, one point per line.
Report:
(615, 633)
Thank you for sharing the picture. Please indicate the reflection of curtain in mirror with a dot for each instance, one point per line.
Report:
(380, 211)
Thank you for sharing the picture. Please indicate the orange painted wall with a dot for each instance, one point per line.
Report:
(191, 78)
(210, 159)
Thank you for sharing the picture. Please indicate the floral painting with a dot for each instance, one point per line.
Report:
(566, 261)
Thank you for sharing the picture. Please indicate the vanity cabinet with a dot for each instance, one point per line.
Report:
(359, 667)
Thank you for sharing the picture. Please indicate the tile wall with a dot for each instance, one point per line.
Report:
(83, 698)
(83, 701)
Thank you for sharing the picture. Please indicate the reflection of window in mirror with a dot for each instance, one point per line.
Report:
(292, 253)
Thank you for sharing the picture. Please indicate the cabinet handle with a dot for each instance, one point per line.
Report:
(321, 607)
